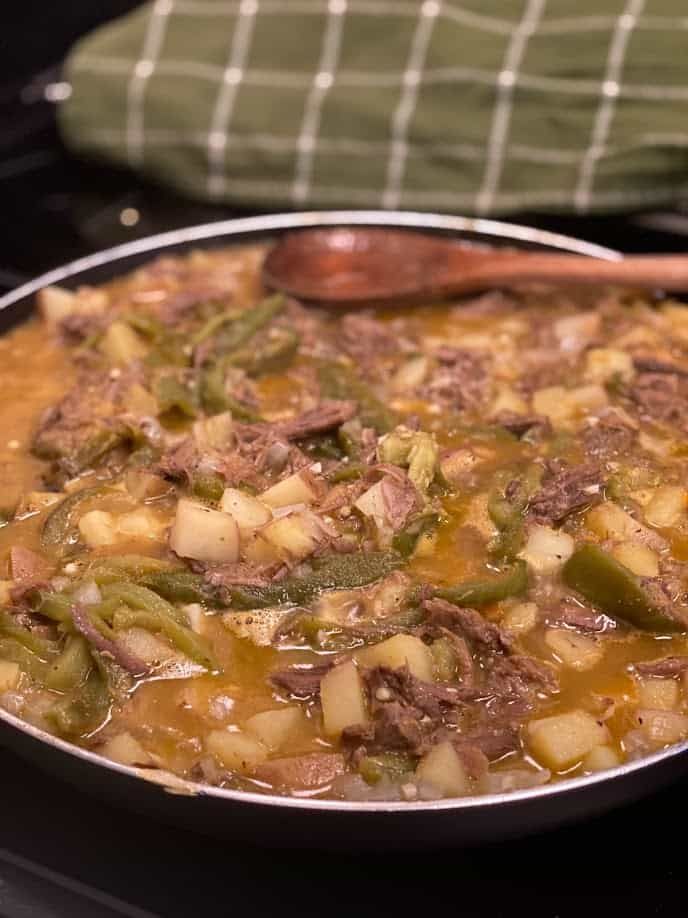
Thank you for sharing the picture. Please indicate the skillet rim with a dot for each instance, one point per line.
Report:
(259, 226)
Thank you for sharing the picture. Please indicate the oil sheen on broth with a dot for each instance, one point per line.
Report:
(396, 556)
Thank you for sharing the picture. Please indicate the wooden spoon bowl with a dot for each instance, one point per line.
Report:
(359, 266)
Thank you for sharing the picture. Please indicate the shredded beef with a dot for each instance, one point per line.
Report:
(494, 740)
(654, 365)
(521, 424)
(307, 772)
(565, 490)
(366, 340)
(242, 573)
(582, 618)
(127, 660)
(610, 436)
(664, 668)
(519, 675)
(461, 381)
(662, 397)
(300, 681)
(327, 415)
(467, 622)
(400, 498)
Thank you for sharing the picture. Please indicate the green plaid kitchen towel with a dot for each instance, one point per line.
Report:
(480, 106)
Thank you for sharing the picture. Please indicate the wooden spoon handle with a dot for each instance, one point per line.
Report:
(665, 272)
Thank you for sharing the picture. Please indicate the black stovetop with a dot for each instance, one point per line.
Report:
(65, 854)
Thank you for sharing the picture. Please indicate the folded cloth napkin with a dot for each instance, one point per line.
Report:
(479, 106)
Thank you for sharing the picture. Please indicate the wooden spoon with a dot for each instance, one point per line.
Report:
(371, 265)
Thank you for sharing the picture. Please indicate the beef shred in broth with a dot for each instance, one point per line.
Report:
(397, 556)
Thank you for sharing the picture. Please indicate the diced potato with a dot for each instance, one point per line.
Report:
(140, 401)
(126, 750)
(562, 740)
(410, 374)
(507, 400)
(259, 551)
(236, 751)
(564, 406)
(667, 506)
(547, 549)
(609, 521)
(143, 485)
(39, 500)
(372, 504)
(275, 728)
(217, 432)
(638, 558)
(601, 758)
(296, 489)
(521, 617)
(400, 650)
(204, 534)
(342, 699)
(10, 674)
(658, 446)
(662, 727)
(152, 649)
(659, 694)
(248, 512)
(121, 344)
(5, 592)
(443, 769)
(458, 464)
(605, 363)
(98, 528)
(140, 524)
(56, 303)
(259, 627)
(295, 536)
(578, 651)
(577, 331)
(479, 518)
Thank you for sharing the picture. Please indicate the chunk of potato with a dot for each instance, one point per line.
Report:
(372, 504)
(667, 506)
(342, 699)
(248, 512)
(638, 558)
(10, 674)
(259, 627)
(98, 528)
(400, 650)
(547, 549)
(659, 694)
(578, 651)
(521, 617)
(296, 489)
(443, 769)
(121, 344)
(125, 749)
(507, 400)
(295, 536)
(601, 758)
(605, 363)
(662, 727)
(236, 751)
(204, 534)
(216, 432)
(562, 740)
(565, 406)
(609, 521)
(140, 524)
(141, 402)
(56, 303)
(410, 374)
(275, 728)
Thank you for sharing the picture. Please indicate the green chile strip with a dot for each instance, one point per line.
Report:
(343, 572)
(60, 521)
(614, 589)
(476, 593)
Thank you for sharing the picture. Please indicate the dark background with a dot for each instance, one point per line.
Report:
(63, 854)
